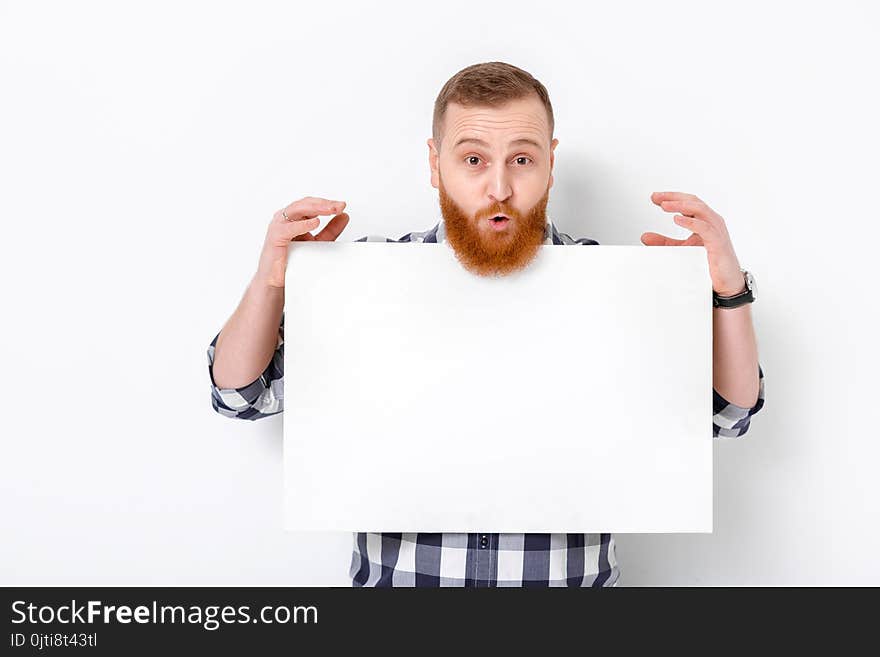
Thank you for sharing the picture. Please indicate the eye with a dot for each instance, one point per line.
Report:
(469, 159)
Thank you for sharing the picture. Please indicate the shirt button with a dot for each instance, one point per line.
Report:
(484, 541)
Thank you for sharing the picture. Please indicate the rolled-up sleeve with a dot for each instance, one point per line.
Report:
(258, 399)
(730, 420)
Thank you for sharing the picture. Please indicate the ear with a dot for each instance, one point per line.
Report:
(434, 163)
(552, 159)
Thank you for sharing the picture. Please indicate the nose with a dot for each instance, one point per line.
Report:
(499, 185)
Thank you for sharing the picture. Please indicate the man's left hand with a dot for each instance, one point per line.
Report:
(708, 229)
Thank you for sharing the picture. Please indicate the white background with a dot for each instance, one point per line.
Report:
(143, 152)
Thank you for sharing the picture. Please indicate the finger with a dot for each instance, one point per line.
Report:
(657, 197)
(332, 230)
(694, 224)
(688, 208)
(655, 239)
(309, 207)
(332, 207)
(288, 230)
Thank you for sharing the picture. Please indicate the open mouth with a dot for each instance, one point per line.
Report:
(499, 222)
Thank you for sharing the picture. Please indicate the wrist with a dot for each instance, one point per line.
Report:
(266, 285)
(271, 274)
(733, 284)
(727, 299)
(725, 293)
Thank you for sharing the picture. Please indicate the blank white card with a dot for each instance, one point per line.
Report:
(572, 396)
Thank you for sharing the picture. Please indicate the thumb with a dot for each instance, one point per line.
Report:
(654, 239)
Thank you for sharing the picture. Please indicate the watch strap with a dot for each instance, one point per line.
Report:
(744, 297)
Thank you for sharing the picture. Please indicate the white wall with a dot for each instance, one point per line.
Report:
(144, 151)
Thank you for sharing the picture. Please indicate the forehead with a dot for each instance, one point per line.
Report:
(520, 118)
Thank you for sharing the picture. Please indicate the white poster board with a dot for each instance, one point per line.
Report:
(573, 396)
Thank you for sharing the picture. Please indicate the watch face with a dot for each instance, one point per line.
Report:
(750, 281)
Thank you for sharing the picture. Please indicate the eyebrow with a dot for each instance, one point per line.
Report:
(522, 140)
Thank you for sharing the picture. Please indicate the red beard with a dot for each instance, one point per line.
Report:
(485, 251)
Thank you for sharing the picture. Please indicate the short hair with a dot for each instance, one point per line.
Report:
(491, 84)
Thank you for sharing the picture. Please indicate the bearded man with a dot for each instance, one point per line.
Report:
(491, 158)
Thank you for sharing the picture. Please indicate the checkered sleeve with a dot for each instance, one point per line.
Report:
(258, 399)
(414, 236)
(730, 420)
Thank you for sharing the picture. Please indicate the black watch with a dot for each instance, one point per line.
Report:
(744, 297)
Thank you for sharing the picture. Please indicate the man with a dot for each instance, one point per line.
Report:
(491, 158)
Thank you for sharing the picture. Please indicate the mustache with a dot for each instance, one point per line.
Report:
(495, 210)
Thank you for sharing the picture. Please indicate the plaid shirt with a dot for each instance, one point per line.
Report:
(460, 559)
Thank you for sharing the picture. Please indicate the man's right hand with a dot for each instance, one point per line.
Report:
(302, 217)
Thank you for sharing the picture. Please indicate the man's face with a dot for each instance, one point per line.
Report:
(494, 161)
